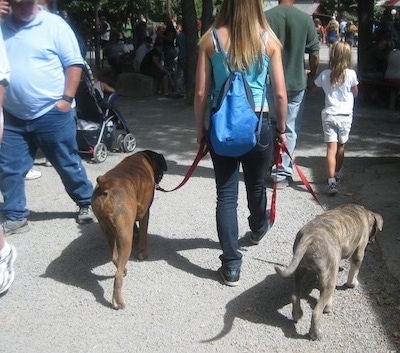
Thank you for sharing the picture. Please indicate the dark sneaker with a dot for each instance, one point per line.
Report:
(230, 276)
(85, 214)
(255, 237)
(7, 270)
(339, 175)
(332, 189)
(14, 227)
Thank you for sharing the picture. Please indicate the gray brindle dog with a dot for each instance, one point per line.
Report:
(320, 245)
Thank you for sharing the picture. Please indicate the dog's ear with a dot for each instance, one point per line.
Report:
(162, 164)
(378, 221)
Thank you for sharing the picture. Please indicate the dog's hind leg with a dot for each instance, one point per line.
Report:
(142, 243)
(356, 260)
(327, 285)
(124, 246)
(299, 274)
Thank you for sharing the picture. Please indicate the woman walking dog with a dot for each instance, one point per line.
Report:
(251, 46)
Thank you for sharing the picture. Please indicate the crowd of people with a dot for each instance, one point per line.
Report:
(157, 52)
(333, 31)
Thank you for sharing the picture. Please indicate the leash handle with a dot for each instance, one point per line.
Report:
(202, 152)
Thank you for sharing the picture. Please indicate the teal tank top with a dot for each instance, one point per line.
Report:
(256, 79)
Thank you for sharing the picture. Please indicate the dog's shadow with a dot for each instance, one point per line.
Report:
(262, 303)
(77, 261)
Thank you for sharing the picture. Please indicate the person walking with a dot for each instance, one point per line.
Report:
(39, 112)
(340, 85)
(296, 31)
(105, 29)
(332, 30)
(8, 253)
(251, 46)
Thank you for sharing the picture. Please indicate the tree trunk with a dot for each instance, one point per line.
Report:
(207, 15)
(191, 35)
(365, 19)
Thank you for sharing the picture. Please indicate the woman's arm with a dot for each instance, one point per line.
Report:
(279, 87)
(203, 77)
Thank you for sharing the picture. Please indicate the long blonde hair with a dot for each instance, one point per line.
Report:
(243, 18)
(340, 59)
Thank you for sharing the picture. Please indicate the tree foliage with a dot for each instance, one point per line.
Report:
(117, 10)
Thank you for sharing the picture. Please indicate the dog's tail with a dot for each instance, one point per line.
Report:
(103, 183)
(297, 257)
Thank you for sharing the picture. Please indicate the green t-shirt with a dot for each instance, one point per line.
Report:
(296, 31)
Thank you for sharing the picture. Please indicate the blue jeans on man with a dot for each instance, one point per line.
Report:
(226, 169)
(293, 124)
(55, 134)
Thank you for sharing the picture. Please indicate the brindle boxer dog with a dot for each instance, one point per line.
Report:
(320, 245)
(123, 196)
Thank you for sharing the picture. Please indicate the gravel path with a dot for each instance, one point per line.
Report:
(60, 300)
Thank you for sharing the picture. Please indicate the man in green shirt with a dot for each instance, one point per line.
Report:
(296, 31)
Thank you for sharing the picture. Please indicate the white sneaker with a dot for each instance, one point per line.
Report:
(33, 174)
(7, 270)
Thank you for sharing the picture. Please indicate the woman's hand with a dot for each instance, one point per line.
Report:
(281, 137)
(200, 137)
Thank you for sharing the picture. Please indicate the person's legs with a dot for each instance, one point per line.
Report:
(55, 133)
(339, 157)
(255, 165)
(180, 76)
(344, 127)
(331, 149)
(17, 154)
(331, 129)
(293, 123)
(226, 171)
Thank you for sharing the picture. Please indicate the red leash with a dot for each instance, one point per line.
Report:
(203, 150)
(281, 148)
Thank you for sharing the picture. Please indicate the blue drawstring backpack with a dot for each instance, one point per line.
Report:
(234, 126)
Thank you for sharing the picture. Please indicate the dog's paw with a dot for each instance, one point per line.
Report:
(297, 315)
(118, 304)
(352, 284)
(315, 334)
(327, 309)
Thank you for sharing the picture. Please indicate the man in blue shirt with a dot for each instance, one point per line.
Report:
(46, 66)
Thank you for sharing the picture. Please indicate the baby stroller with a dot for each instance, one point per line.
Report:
(99, 122)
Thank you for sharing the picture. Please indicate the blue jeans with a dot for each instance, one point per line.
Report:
(180, 76)
(226, 169)
(293, 124)
(55, 134)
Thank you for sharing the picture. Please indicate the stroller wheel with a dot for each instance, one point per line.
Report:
(100, 153)
(129, 143)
